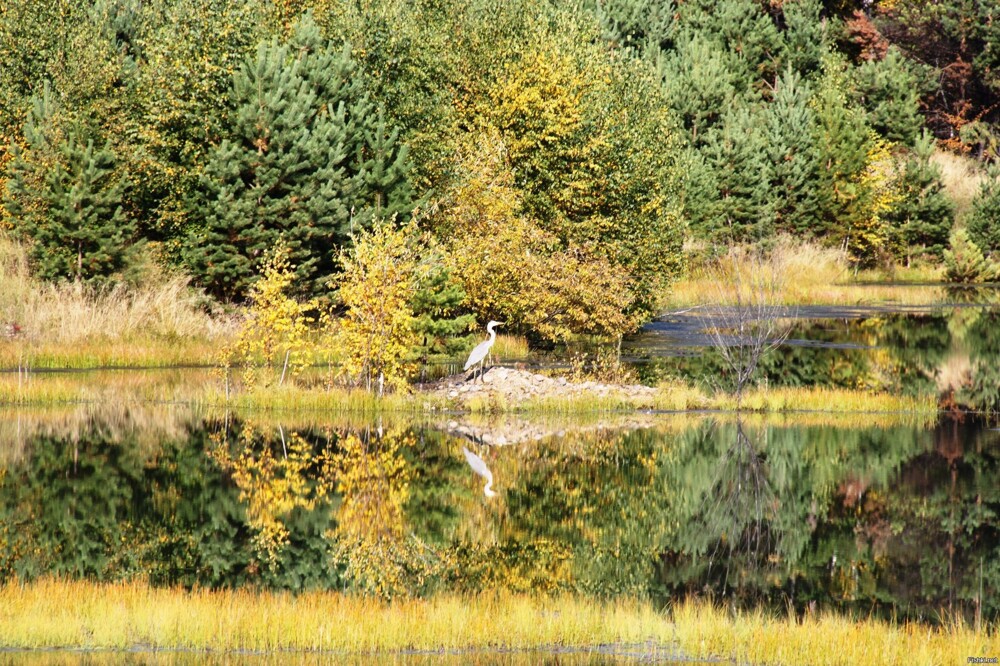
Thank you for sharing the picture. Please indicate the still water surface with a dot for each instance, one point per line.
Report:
(892, 516)
(859, 513)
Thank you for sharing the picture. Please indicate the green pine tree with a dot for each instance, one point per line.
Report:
(738, 27)
(984, 220)
(436, 305)
(64, 196)
(806, 38)
(308, 159)
(964, 261)
(382, 185)
(792, 167)
(736, 154)
(700, 82)
(924, 213)
(890, 90)
(843, 138)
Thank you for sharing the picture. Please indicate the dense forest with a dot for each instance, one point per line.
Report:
(521, 160)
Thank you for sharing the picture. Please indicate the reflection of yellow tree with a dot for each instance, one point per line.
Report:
(373, 481)
(373, 543)
(273, 484)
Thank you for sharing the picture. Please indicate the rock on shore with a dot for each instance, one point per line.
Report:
(514, 386)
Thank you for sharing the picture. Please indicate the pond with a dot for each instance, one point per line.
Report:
(805, 510)
(888, 514)
(946, 349)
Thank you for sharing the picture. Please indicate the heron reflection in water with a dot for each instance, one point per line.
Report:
(478, 466)
(479, 354)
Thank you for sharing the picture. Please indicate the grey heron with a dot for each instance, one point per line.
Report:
(478, 466)
(483, 348)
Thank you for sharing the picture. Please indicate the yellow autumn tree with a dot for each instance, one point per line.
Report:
(563, 214)
(512, 269)
(878, 191)
(275, 333)
(376, 287)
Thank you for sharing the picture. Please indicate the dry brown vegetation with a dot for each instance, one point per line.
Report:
(158, 322)
(126, 615)
(962, 177)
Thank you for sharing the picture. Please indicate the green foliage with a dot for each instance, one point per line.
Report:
(924, 214)
(964, 261)
(890, 89)
(984, 221)
(735, 153)
(440, 326)
(792, 167)
(308, 158)
(700, 82)
(64, 196)
(592, 155)
(514, 271)
(807, 36)
(858, 179)
(190, 51)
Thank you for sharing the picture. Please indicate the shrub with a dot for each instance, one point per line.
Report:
(964, 261)
(377, 287)
(984, 221)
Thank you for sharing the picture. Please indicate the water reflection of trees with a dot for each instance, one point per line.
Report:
(776, 513)
(732, 538)
(954, 351)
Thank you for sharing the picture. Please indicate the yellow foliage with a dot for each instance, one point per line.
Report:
(271, 486)
(512, 270)
(373, 481)
(276, 328)
(538, 101)
(879, 189)
(377, 286)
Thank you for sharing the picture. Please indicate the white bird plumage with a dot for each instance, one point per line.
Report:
(483, 348)
(478, 466)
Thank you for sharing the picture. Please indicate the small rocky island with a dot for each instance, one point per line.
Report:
(513, 386)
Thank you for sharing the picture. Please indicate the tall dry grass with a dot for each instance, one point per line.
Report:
(825, 639)
(52, 613)
(962, 177)
(40, 321)
(812, 274)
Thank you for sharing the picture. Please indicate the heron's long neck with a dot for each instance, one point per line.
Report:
(493, 333)
(488, 489)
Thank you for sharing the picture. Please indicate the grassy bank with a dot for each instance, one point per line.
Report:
(809, 274)
(128, 615)
(205, 388)
(159, 321)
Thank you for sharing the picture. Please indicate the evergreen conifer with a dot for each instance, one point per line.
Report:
(792, 166)
(309, 159)
(924, 213)
(63, 194)
(984, 221)
(890, 90)
(736, 154)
